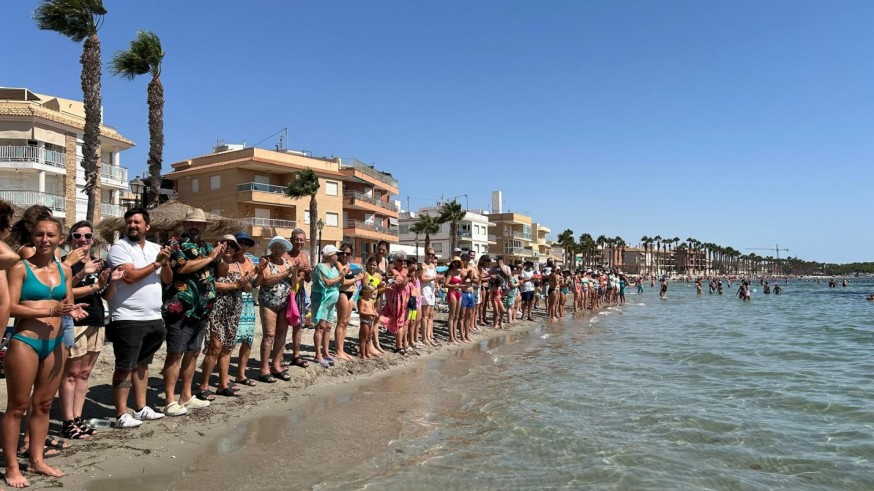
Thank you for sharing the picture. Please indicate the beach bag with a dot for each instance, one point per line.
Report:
(292, 314)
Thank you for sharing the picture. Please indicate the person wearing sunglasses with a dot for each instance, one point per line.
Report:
(92, 283)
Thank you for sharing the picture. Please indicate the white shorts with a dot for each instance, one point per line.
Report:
(428, 297)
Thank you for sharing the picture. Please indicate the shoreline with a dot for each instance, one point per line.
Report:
(165, 448)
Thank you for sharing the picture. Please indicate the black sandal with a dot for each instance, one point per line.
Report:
(284, 376)
(267, 378)
(227, 392)
(84, 426)
(300, 362)
(72, 431)
(205, 395)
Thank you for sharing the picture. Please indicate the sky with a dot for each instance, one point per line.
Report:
(746, 123)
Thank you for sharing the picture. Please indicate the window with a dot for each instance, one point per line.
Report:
(195, 185)
(404, 229)
(215, 182)
(306, 217)
(332, 219)
(262, 212)
(331, 188)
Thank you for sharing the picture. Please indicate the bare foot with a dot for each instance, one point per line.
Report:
(45, 469)
(16, 479)
(344, 356)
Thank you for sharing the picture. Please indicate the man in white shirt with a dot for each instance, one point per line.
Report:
(137, 328)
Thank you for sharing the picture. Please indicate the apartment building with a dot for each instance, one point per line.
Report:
(249, 184)
(474, 232)
(513, 237)
(41, 155)
(540, 243)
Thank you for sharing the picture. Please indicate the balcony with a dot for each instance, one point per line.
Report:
(257, 193)
(367, 229)
(516, 251)
(114, 175)
(355, 199)
(29, 198)
(269, 227)
(369, 171)
(492, 238)
(28, 157)
(110, 210)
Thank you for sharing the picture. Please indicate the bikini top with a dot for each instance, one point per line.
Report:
(372, 280)
(34, 289)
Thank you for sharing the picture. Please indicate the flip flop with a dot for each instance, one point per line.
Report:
(324, 363)
(247, 382)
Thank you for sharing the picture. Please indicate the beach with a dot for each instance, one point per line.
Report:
(166, 447)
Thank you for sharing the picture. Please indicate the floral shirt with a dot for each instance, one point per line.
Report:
(191, 295)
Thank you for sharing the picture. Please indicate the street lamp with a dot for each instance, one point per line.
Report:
(320, 225)
(137, 186)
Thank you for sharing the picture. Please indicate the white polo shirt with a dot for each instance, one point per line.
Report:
(140, 301)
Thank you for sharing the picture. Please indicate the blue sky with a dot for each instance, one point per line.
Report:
(740, 123)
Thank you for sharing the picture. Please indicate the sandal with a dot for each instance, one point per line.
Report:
(300, 362)
(324, 363)
(56, 443)
(84, 426)
(284, 376)
(205, 395)
(267, 378)
(72, 431)
(247, 382)
(227, 392)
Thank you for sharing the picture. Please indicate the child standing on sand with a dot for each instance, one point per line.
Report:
(367, 316)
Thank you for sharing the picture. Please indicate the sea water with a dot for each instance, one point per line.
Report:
(688, 392)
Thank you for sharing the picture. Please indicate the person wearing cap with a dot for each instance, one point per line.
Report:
(277, 278)
(190, 298)
(326, 291)
(224, 318)
(246, 327)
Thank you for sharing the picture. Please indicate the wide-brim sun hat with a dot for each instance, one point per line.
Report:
(329, 250)
(279, 240)
(244, 239)
(230, 239)
(195, 215)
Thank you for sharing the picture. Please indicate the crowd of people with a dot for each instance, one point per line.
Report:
(198, 297)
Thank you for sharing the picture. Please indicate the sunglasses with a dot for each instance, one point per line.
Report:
(431, 254)
(87, 236)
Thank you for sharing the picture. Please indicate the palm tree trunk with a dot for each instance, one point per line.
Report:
(155, 99)
(91, 136)
(427, 241)
(314, 237)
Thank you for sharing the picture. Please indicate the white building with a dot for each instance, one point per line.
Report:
(41, 155)
(473, 232)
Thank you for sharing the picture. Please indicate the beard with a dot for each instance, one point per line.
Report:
(194, 233)
(134, 234)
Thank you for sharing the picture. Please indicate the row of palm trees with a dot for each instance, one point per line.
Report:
(592, 251)
(80, 20)
(697, 257)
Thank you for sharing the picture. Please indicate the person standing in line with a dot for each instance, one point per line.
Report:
(527, 288)
(428, 289)
(276, 278)
(136, 329)
(246, 327)
(344, 303)
(326, 291)
(186, 312)
(92, 284)
(299, 259)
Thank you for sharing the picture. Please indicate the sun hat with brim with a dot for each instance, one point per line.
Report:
(279, 240)
(456, 258)
(195, 215)
(230, 238)
(329, 250)
(244, 239)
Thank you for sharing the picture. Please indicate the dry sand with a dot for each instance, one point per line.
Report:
(164, 449)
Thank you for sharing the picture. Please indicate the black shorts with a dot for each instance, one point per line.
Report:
(527, 296)
(135, 342)
(184, 333)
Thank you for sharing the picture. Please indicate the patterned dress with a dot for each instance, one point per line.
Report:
(246, 329)
(225, 314)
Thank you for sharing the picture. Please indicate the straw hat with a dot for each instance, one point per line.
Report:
(230, 239)
(196, 215)
(279, 240)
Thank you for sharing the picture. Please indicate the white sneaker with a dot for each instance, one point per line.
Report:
(175, 409)
(147, 414)
(127, 421)
(195, 403)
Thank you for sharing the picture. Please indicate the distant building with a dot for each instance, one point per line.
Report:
(541, 244)
(41, 155)
(473, 232)
(249, 183)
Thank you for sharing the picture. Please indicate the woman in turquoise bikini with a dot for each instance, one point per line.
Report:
(41, 292)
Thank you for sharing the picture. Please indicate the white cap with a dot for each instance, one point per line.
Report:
(329, 250)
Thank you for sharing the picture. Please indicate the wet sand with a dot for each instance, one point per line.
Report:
(294, 434)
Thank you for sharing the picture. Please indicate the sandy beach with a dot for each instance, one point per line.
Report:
(164, 449)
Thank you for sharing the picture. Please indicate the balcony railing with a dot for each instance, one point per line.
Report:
(370, 226)
(114, 172)
(366, 169)
(109, 210)
(493, 238)
(464, 233)
(517, 251)
(370, 199)
(16, 153)
(30, 198)
(268, 222)
(257, 186)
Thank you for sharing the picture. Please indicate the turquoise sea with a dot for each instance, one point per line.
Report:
(690, 392)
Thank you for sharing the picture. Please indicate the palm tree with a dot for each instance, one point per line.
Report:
(306, 183)
(601, 242)
(452, 213)
(658, 242)
(80, 20)
(426, 225)
(145, 56)
(620, 244)
(587, 248)
(644, 241)
(566, 239)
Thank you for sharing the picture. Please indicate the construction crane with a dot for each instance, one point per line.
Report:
(776, 250)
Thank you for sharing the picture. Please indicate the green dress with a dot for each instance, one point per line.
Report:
(329, 294)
